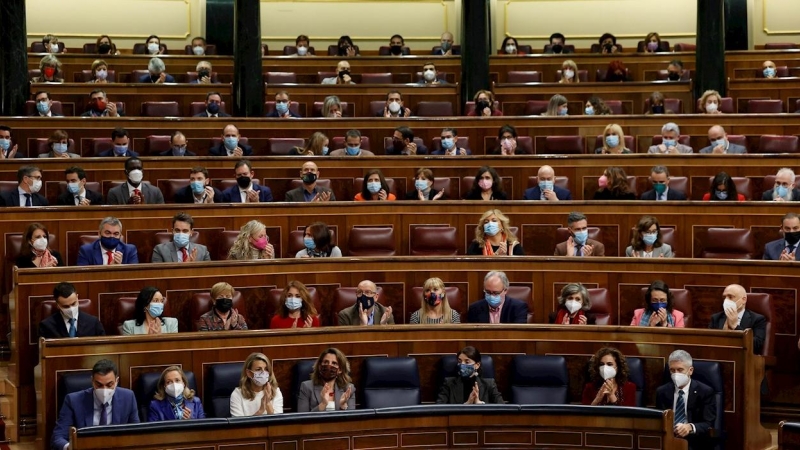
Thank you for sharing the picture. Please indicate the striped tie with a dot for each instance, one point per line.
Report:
(680, 409)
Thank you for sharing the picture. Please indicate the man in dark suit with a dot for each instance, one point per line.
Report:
(199, 189)
(29, 179)
(546, 189)
(121, 149)
(230, 145)
(68, 320)
(659, 176)
(44, 105)
(134, 191)
(105, 403)
(720, 144)
(309, 191)
(157, 73)
(557, 41)
(446, 46)
(282, 110)
(785, 189)
(578, 243)
(247, 189)
(403, 143)
(77, 194)
(8, 151)
(496, 307)
(785, 249)
(693, 402)
(177, 143)
(108, 249)
(367, 311)
(213, 105)
(449, 145)
(734, 316)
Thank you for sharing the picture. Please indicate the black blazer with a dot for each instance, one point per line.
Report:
(514, 311)
(701, 410)
(54, 327)
(12, 199)
(26, 262)
(219, 150)
(476, 195)
(671, 195)
(421, 150)
(606, 194)
(754, 321)
(169, 153)
(185, 195)
(274, 113)
(413, 195)
(205, 114)
(67, 199)
(452, 391)
(767, 195)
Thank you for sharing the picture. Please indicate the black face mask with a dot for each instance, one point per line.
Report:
(481, 105)
(398, 144)
(792, 237)
(342, 73)
(243, 182)
(658, 109)
(309, 178)
(203, 73)
(674, 76)
(608, 47)
(104, 49)
(397, 49)
(558, 48)
(366, 302)
(223, 305)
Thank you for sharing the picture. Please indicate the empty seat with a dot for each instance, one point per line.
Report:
(280, 77)
(161, 109)
(220, 383)
(391, 382)
(729, 243)
(761, 303)
(772, 143)
(433, 240)
(536, 107)
(524, 76)
(145, 389)
(434, 109)
(764, 106)
(539, 380)
(672, 104)
(563, 145)
(154, 145)
(376, 78)
(636, 376)
(583, 75)
(681, 47)
(281, 146)
(615, 106)
(602, 306)
(371, 241)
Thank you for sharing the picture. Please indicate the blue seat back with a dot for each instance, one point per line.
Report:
(72, 382)
(300, 372)
(636, 376)
(221, 382)
(390, 382)
(539, 380)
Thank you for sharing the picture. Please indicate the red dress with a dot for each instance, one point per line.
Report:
(625, 397)
(287, 322)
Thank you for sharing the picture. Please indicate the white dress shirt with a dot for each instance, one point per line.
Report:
(685, 390)
(66, 322)
(662, 197)
(97, 407)
(22, 199)
(241, 407)
(132, 187)
(243, 193)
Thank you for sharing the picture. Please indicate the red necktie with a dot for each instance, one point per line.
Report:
(110, 257)
(185, 255)
(137, 192)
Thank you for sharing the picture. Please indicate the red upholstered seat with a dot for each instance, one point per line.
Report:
(725, 105)
(779, 46)
(90, 48)
(85, 76)
(161, 109)
(168, 187)
(535, 107)
(433, 240)
(55, 107)
(615, 106)
(764, 106)
(281, 146)
(444, 184)
(211, 49)
(95, 146)
(154, 145)
(583, 75)
(682, 301)
(280, 77)
(434, 109)
(317, 109)
(600, 74)
(630, 143)
(376, 78)
(562, 145)
(201, 303)
(371, 241)
(461, 142)
(338, 142)
(376, 107)
(345, 297)
(743, 186)
(673, 104)
(520, 292)
(729, 243)
(681, 47)
(40, 145)
(137, 74)
(198, 107)
(602, 306)
(454, 298)
(524, 76)
(771, 143)
(761, 303)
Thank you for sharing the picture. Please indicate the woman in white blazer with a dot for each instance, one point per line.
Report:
(148, 315)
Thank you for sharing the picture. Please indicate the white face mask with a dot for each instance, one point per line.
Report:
(174, 389)
(260, 378)
(711, 107)
(573, 306)
(729, 304)
(607, 372)
(301, 51)
(198, 50)
(37, 184)
(101, 74)
(510, 49)
(71, 312)
(429, 75)
(394, 107)
(680, 379)
(40, 244)
(135, 176)
(104, 395)
(152, 48)
(568, 74)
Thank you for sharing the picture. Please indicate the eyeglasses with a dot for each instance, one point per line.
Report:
(493, 293)
(367, 293)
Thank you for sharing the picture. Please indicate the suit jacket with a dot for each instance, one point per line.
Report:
(11, 198)
(205, 114)
(452, 391)
(54, 326)
(51, 155)
(89, 254)
(421, 150)
(672, 194)
(296, 194)
(185, 195)
(343, 152)
(754, 321)
(349, 316)
(231, 195)
(67, 199)
(773, 250)
(701, 411)
(162, 410)
(768, 195)
(535, 193)
(308, 399)
(219, 150)
(733, 149)
(514, 311)
(168, 252)
(442, 151)
(681, 149)
(147, 79)
(274, 113)
(665, 250)
(78, 411)
(120, 195)
(110, 153)
(169, 153)
(129, 327)
(598, 248)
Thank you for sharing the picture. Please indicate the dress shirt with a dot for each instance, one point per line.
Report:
(202, 198)
(106, 256)
(97, 407)
(80, 196)
(494, 313)
(66, 322)
(789, 246)
(739, 317)
(180, 253)
(49, 114)
(371, 320)
(23, 201)
(685, 390)
(243, 193)
(131, 188)
(663, 196)
(647, 254)
(309, 196)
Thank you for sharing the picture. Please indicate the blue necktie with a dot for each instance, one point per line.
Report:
(680, 409)
(28, 200)
(72, 330)
(103, 414)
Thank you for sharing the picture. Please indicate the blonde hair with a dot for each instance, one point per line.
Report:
(556, 101)
(241, 248)
(430, 284)
(328, 102)
(480, 238)
(706, 95)
(245, 382)
(314, 145)
(97, 63)
(570, 64)
(219, 288)
(343, 379)
(616, 129)
(53, 61)
(188, 394)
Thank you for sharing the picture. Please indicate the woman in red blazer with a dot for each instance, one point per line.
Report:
(723, 189)
(609, 383)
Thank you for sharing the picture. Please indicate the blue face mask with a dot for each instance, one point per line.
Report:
(60, 148)
(546, 185)
(309, 243)
(181, 239)
(198, 186)
(718, 142)
(589, 111)
(374, 187)
(669, 143)
(325, 150)
(493, 300)
(293, 303)
(178, 151)
(5, 144)
(722, 195)
(612, 140)
(466, 370)
(120, 150)
(213, 108)
(42, 107)
(563, 112)
(353, 151)
(421, 185)
(156, 309)
(109, 243)
(782, 191)
(74, 188)
(650, 239)
(231, 142)
(491, 228)
(657, 306)
(581, 236)
(447, 143)
(282, 107)
(769, 72)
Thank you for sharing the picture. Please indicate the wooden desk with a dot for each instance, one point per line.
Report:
(788, 436)
(786, 89)
(431, 427)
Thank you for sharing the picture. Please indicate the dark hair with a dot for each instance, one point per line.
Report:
(644, 224)
(352, 133)
(98, 91)
(607, 36)
(557, 36)
(471, 353)
(243, 162)
(406, 133)
(26, 249)
(213, 93)
(426, 173)
(600, 107)
(196, 38)
(506, 129)
(26, 171)
(505, 41)
(394, 91)
(730, 187)
(142, 300)
(306, 309)
(619, 358)
(658, 285)
(118, 133)
(617, 181)
(113, 46)
(104, 366)
(63, 289)
(183, 217)
(130, 161)
(56, 137)
(302, 37)
(676, 62)
(365, 193)
(199, 169)
(151, 37)
(322, 235)
(452, 130)
(342, 45)
(76, 170)
(41, 92)
(397, 36)
(497, 183)
(5, 128)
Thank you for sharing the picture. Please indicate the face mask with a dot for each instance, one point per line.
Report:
(650, 239)
(374, 187)
(328, 373)
(485, 183)
(309, 243)
(568, 74)
(673, 76)
(60, 148)
(223, 305)
(353, 151)
(719, 142)
(680, 379)
(36, 186)
(71, 312)
(506, 144)
(791, 237)
(293, 303)
(342, 73)
(178, 151)
(175, 390)
(309, 178)
(260, 378)
(433, 299)
(152, 48)
(722, 195)
(396, 49)
(260, 243)
(120, 150)
(40, 244)
(421, 185)
(769, 72)
(660, 187)
(612, 140)
(101, 74)
(325, 150)
(99, 105)
(652, 46)
(558, 48)
(429, 75)
(466, 370)
(181, 239)
(104, 395)
(5, 144)
(109, 243)
(589, 111)
(493, 300)
(135, 176)
(198, 50)
(447, 143)
(602, 182)
(301, 51)
(446, 46)
(782, 191)
(658, 109)
(74, 188)
(669, 142)
(711, 107)
(480, 106)
(104, 48)
(213, 108)
(394, 107)
(203, 73)
(491, 228)
(728, 305)
(231, 142)
(49, 72)
(546, 185)
(511, 50)
(581, 236)
(282, 107)
(243, 182)
(658, 305)
(198, 187)
(573, 306)
(563, 111)
(608, 372)
(155, 310)
(366, 302)
(43, 107)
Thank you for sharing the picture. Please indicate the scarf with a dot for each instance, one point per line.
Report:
(487, 246)
(177, 406)
(572, 320)
(46, 257)
(649, 312)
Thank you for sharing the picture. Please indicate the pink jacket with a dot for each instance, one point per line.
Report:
(677, 317)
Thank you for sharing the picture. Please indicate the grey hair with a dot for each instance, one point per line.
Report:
(576, 288)
(671, 126)
(113, 221)
(498, 274)
(785, 170)
(156, 65)
(680, 356)
(201, 63)
(660, 169)
(575, 216)
(328, 102)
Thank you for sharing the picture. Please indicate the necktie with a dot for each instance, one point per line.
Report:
(790, 248)
(661, 196)
(103, 413)
(110, 257)
(78, 200)
(578, 251)
(680, 409)
(184, 254)
(137, 192)
(28, 200)
(73, 332)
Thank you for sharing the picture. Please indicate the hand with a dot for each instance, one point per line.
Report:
(252, 196)
(550, 195)
(386, 315)
(294, 323)
(209, 193)
(412, 148)
(683, 429)
(363, 315)
(62, 155)
(351, 51)
(85, 202)
(438, 195)
(662, 148)
(238, 151)
(111, 107)
(187, 413)
(192, 255)
(656, 319)
(345, 397)
(322, 196)
(406, 112)
(382, 195)
(474, 396)
(324, 396)
(447, 53)
(503, 250)
(205, 80)
(565, 320)
(345, 79)
(53, 263)
(309, 322)
(421, 195)
(136, 199)
(462, 152)
(570, 246)
(582, 320)
(732, 318)
(386, 112)
(673, 150)
(786, 256)
(779, 199)
(337, 114)
(486, 112)
(117, 258)
(718, 149)
(270, 249)
(161, 78)
(587, 250)
(11, 153)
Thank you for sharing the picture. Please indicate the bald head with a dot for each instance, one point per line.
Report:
(447, 37)
(716, 132)
(367, 285)
(736, 293)
(546, 173)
